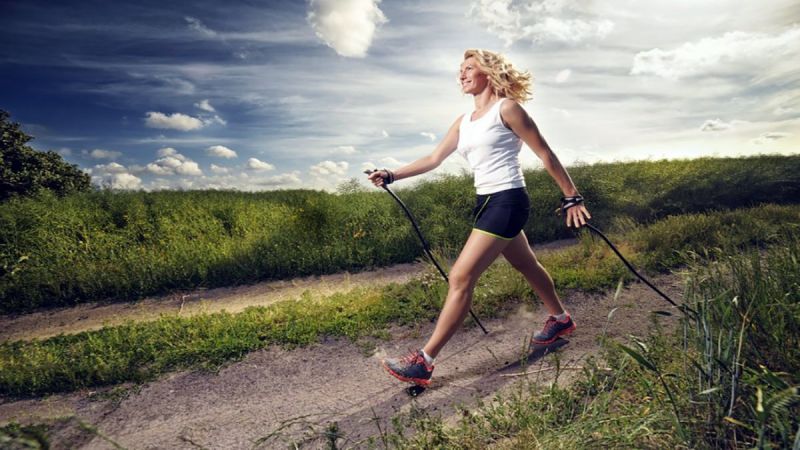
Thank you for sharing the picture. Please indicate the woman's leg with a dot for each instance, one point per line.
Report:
(478, 253)
(519, 254)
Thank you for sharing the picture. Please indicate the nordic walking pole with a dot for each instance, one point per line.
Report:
(569, 202)
(425, 245)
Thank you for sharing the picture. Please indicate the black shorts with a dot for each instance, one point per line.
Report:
(502, 214)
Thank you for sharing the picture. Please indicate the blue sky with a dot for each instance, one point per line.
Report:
(266, 95)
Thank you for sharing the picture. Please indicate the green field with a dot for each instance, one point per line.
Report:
(141, 351)
(126, 245)
(734, 383)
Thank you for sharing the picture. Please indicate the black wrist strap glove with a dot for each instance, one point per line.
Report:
(389, 176)
(569, 202)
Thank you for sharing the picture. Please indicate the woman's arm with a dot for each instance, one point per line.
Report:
(518, 120)
(445, 148)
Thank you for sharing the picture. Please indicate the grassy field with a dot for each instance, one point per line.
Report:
(141, 351)
(735, 383)
(127, 245)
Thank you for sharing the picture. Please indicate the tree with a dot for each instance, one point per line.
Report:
(24, 170)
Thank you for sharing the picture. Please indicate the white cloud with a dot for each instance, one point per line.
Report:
(121, 181)
(205, 106)
(563, 112)
(428, 135)
(367, 166)
(101, 154)
(136, 168)
(221, 151)
(255, 164)
(212, 120)
(111, 167)
(346, 26)
(169, 151)
(392, 161)
(563, 76)
(159, 169)
(560, 21)
(64, 151)
(384, 134)
(189, 168)
(714, 125)
(293, 100)
(197, 25)
(720, 54)
(219, 169)
(171, 162)
(770, 137)
(281, 180)
(345, 150)
(778, 111)
(329, 168)
(568, 31)
(176, 121)
(125, 181)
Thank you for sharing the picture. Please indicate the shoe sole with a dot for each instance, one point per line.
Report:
(558, 335)
(417, 381)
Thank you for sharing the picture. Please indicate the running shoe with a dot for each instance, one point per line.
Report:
(553, 329)
(410, 368)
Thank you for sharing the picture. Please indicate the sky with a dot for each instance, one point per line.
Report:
(259, 95)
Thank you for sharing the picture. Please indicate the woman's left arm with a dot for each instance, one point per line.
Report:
(518, 120)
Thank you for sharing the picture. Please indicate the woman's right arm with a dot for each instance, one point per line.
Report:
(427, 163)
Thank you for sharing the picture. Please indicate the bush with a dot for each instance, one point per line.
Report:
(24, 171)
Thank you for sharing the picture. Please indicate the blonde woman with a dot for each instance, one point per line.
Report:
(490, 138)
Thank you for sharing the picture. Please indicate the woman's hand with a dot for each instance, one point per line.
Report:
(378, 177)
(577, 215)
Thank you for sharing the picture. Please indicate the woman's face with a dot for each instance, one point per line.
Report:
(472, 80)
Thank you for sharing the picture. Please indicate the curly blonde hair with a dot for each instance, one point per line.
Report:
(506, 81)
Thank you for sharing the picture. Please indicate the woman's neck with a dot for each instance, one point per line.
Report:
(485, 98)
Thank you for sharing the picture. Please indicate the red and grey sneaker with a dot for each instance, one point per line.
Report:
(410, 368)
(553, 328)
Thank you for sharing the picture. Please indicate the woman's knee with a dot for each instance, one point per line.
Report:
(461, 279)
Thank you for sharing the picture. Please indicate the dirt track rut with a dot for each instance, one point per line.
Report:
(294, 395)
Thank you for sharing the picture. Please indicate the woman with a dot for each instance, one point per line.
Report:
(490, 138)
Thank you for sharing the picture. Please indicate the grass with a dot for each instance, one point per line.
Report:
(142, 351)
(126, 245)
(734, 383)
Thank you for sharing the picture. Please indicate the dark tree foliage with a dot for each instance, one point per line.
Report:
(24, 170)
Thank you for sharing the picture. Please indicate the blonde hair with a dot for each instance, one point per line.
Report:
(506, 81)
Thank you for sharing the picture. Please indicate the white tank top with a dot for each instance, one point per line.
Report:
(492, 151)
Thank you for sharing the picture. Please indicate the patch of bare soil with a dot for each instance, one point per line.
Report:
(93, 316)
(275, 396)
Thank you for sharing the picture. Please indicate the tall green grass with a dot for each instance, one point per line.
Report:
(140, 351)
(729, 378)
(745, 343)
(126, 245)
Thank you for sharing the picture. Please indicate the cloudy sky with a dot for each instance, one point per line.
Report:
(288, 94)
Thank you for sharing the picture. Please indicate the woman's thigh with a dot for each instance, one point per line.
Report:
(519, 254)
(478, 253)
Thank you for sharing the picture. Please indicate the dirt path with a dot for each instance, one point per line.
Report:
(93, 316)
(279, 396)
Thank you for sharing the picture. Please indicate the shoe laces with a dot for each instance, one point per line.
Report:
(550, 324)
(413, 357)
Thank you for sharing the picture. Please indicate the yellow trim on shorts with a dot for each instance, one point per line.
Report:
(481, 210)
(493, 235)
